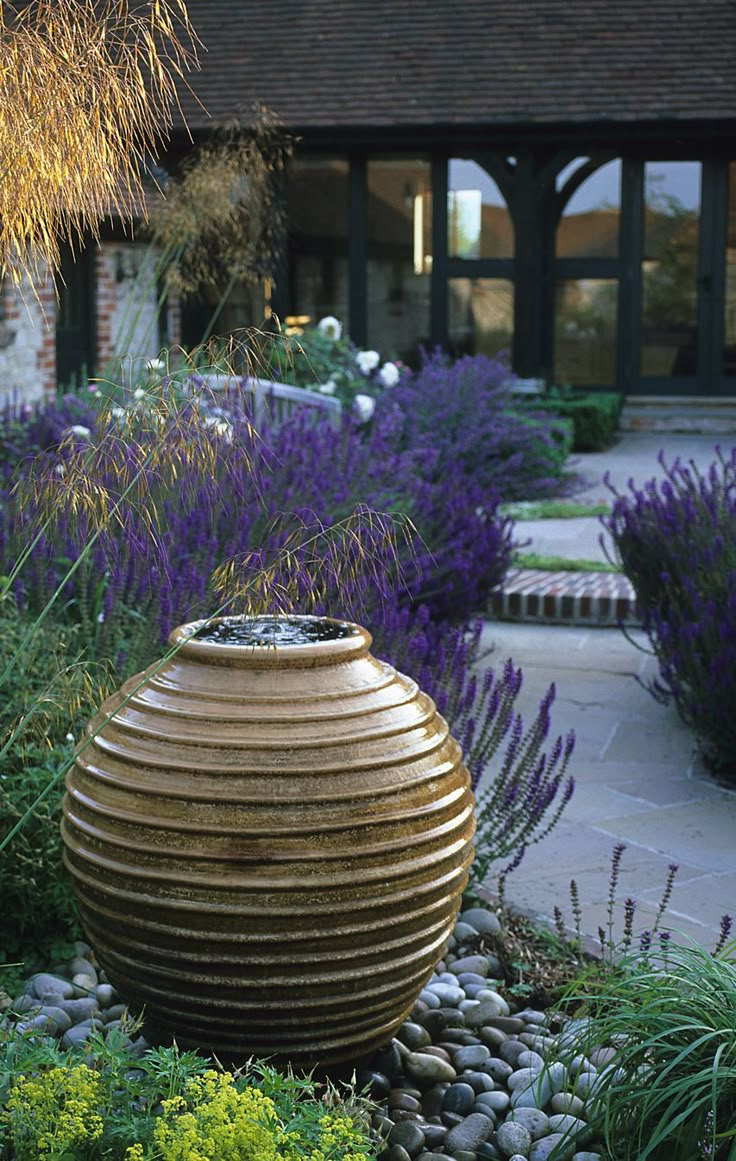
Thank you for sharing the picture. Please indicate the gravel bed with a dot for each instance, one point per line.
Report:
(468, 1075)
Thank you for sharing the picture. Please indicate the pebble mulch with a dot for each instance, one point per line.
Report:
(467, 1076)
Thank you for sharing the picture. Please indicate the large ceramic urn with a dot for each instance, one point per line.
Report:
(268, 837)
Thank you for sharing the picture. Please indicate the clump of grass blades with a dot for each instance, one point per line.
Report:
(551, 563)
(670, 1091)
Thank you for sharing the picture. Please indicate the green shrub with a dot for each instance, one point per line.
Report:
(669, 1092)
(594, 417)
(48, 694)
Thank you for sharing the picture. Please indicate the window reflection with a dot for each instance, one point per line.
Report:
(317, 213)
(585, 331)
(669, 268)
(589, 226)
(399, 256)
(481, 315)
(478, 221)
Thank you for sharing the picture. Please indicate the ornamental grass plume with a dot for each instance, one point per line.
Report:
(236, 177)
(88, 89)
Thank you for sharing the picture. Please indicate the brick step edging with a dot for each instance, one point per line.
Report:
(571, 598)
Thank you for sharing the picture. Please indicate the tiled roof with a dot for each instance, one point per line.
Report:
(399, 63)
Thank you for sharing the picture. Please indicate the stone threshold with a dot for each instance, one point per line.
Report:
(566, 598)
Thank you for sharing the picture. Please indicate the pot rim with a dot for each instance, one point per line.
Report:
(341, 648)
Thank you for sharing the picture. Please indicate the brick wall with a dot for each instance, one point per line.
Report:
(27, 339)
(130, 327)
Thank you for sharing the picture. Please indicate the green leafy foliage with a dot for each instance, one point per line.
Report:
(594, 417)
(44, 706)
(669, 1093)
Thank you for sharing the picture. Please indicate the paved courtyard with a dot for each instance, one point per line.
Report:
(639, 778)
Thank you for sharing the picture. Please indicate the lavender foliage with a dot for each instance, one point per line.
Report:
(677, 542)
(464, 414)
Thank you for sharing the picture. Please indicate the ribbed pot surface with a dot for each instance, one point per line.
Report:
(268, 846)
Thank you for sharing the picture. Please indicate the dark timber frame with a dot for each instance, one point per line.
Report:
(528, 186)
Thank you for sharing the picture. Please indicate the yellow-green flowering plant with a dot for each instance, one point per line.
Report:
(173, 1106)
(54, 1114)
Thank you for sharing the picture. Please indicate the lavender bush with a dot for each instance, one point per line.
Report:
(152, 568)
(677, 542)
(464, 414)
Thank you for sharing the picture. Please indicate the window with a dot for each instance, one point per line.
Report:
(478, 221)
(317, 213)
(589, 226)
(585, 331)
(481, 314)
(669, 268)
(399, 209)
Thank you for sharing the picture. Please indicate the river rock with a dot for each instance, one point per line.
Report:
(468, 1134)
(484, 922)
(534, 1120)
(530, 1059)
(573, 1127)
(414, 1036)
(478, 964)
(82, 1009)
(465, 933)
(431, 999)
(512, 1137)
(471, 1056)
(395, 1153)
(50, 988)
(57, 1021)
(409, 1135)
(78, 1034)
(556, 1143)
(450, 995)
(478, 1081)
(425, 1067)
(498, 1101)
(567, 1102)
(487, 1007)
(459, 1098)
(405, 1101)
(499, 1070)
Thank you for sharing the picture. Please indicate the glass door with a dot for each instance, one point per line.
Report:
(671, 277)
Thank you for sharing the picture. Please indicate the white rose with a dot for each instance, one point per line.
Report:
(367, 361)
(389, 374)
(364, 406)
(331, 327)
(328, 388)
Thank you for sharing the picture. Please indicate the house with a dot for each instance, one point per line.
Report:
(553, 177)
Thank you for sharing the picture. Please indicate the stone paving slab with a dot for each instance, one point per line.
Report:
(594, 598)
(640, 781)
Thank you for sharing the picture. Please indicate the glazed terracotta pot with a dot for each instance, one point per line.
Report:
(268, 844)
